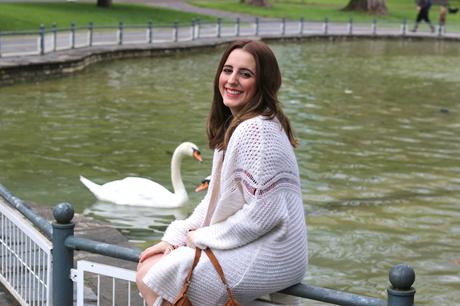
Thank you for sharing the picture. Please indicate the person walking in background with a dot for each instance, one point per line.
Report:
(423, 10)
(444, 4)
(443, 10)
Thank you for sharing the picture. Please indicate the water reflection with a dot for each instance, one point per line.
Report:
(137, 221)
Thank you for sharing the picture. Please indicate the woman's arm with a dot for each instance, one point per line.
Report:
(176, 233)
(248, 224)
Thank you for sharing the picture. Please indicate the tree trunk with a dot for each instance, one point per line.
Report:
(104, 3)
(261, 3)
(377, 7)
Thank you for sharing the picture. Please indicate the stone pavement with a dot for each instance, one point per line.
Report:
(185, 7)
(6, 299)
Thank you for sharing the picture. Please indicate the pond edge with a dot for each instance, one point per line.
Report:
(23, 69)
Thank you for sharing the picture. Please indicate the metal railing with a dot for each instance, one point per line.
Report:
(118, 280)
(48, 40)
(25, 256)
(64, 242)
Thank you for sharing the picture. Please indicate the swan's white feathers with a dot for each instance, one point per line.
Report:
(137, 191)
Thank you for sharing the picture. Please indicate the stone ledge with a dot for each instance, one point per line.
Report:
(28, 68)
(20, 69)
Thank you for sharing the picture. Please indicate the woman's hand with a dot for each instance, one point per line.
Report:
(161, 247)
(190, 242)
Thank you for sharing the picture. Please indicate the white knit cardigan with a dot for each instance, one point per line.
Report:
(257, 231)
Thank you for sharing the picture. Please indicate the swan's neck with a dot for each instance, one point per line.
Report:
(176, 177)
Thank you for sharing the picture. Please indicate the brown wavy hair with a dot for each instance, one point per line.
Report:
(221, 123)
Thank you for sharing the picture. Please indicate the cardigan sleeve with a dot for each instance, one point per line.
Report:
(260, 168)
(176, 233)
(248, 224)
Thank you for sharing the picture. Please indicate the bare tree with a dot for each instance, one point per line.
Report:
(261, 3)
(377, 7)
(104, 3)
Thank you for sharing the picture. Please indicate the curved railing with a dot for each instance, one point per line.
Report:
(48, 40)
(64, 242)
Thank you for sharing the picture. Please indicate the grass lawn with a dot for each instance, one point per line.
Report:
(29, 16)
(398, 10)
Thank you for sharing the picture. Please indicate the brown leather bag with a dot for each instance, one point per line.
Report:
(183, 300)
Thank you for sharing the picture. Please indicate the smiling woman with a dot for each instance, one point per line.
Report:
(253, 212)
(237, 81)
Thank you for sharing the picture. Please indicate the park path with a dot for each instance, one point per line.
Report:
(185, 7)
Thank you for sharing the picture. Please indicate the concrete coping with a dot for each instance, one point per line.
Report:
(18, 69)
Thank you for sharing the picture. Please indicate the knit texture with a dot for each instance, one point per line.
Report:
(257, 231)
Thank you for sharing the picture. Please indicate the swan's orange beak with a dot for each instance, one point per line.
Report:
(203, 186)
(197, 155)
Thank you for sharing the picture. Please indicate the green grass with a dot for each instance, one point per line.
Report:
(29, 16)
(398, 10)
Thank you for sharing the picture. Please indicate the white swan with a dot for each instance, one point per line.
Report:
(139, 191)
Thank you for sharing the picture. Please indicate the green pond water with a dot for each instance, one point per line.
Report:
(379, 155)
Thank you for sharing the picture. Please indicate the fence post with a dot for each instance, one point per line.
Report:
(120, 33)
(42, 39)
(219, 27)
(192, 29)
(0, 43)
(198, 26)
(54, 30)
(257, 27)
(237, 27)
(150, 31)
(326, 26)
(283, 26)
(72, 35)
(440, 29)
(176, 31)
(404, 27)
(90, 34)
(63, 227)
(301, 24)
(401, 292)
(350, 26)
(374, 26)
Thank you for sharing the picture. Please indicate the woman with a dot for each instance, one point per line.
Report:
(252, 216)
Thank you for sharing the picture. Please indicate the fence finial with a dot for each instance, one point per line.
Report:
(401, 292)
(63, 213)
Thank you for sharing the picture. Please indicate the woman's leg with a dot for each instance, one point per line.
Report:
(148, 294)
(442, 15)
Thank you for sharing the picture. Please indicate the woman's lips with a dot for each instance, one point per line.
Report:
(233, 92)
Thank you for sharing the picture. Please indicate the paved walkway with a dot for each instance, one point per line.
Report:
(6, 299)
(185, 7)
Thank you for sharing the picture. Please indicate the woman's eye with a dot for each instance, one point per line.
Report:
(245, 74)
(227, 70)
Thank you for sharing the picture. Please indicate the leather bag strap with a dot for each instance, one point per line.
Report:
(190, 272)
(219, 270)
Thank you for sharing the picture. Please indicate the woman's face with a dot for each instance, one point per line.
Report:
(237, 80)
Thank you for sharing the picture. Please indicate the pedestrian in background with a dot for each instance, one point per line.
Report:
(423, 10)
